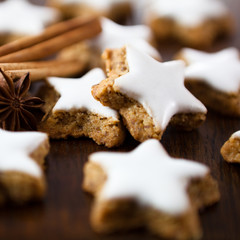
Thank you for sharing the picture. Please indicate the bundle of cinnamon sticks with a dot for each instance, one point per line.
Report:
(23, 55)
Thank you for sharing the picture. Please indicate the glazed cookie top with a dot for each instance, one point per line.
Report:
(192, 56)
(236, 135)
(76, 93)
(22, 17)
(159, 87)
(114, 35)
(220, 70)
(98, 4)
(149, 175)
(187, 12)
(15, 151)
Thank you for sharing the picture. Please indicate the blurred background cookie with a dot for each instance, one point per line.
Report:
(21, 166)
(113, 36)
(21, 18)
(193, 23)
(118, 10)
(214, 78)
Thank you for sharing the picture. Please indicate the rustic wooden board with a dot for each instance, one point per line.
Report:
(64, 214)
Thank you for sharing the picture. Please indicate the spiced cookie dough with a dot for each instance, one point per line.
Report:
(231, 149)
(21, 166)
(71, 110)
(21, 18)
(214, 78)
(193, 23)
(147, 93)
(147, 188)
(118, 10)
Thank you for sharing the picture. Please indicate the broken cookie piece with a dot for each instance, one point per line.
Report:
(231, 149)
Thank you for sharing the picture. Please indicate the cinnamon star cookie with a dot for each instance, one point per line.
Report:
(71, 110)
(21, 162)
(20, 18)
(148, 188)
(118, 10)
(112, 36)
(195, 23)
(148, 94)
(214, 78)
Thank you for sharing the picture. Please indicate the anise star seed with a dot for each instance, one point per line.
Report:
(16, 106)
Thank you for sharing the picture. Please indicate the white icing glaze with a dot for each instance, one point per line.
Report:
(220, 70)
(149, 175)
(114, 35)
(102, 5)
(193, 56)
(76, 93)
(159, 87)
(188, 12)
(22, 17)
(236, 135)
(15, 150)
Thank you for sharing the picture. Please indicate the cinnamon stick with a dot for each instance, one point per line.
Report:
(45, 48)
(31, 65)
(68, 68)
(50, 32)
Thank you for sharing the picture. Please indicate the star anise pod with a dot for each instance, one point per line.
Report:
(17, 108)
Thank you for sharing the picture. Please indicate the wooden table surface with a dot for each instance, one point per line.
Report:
(64, 214)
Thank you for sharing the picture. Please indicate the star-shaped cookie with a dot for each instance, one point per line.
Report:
(148, 94)
(21, 161)
(148, 187)
(192, 56)
(114, 35)
(194, 23)
(23, 18)
(187, 12)
(74, 111)
(117, 10)
(217, 75)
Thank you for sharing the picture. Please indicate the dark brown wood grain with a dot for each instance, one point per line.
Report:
(64, 214)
